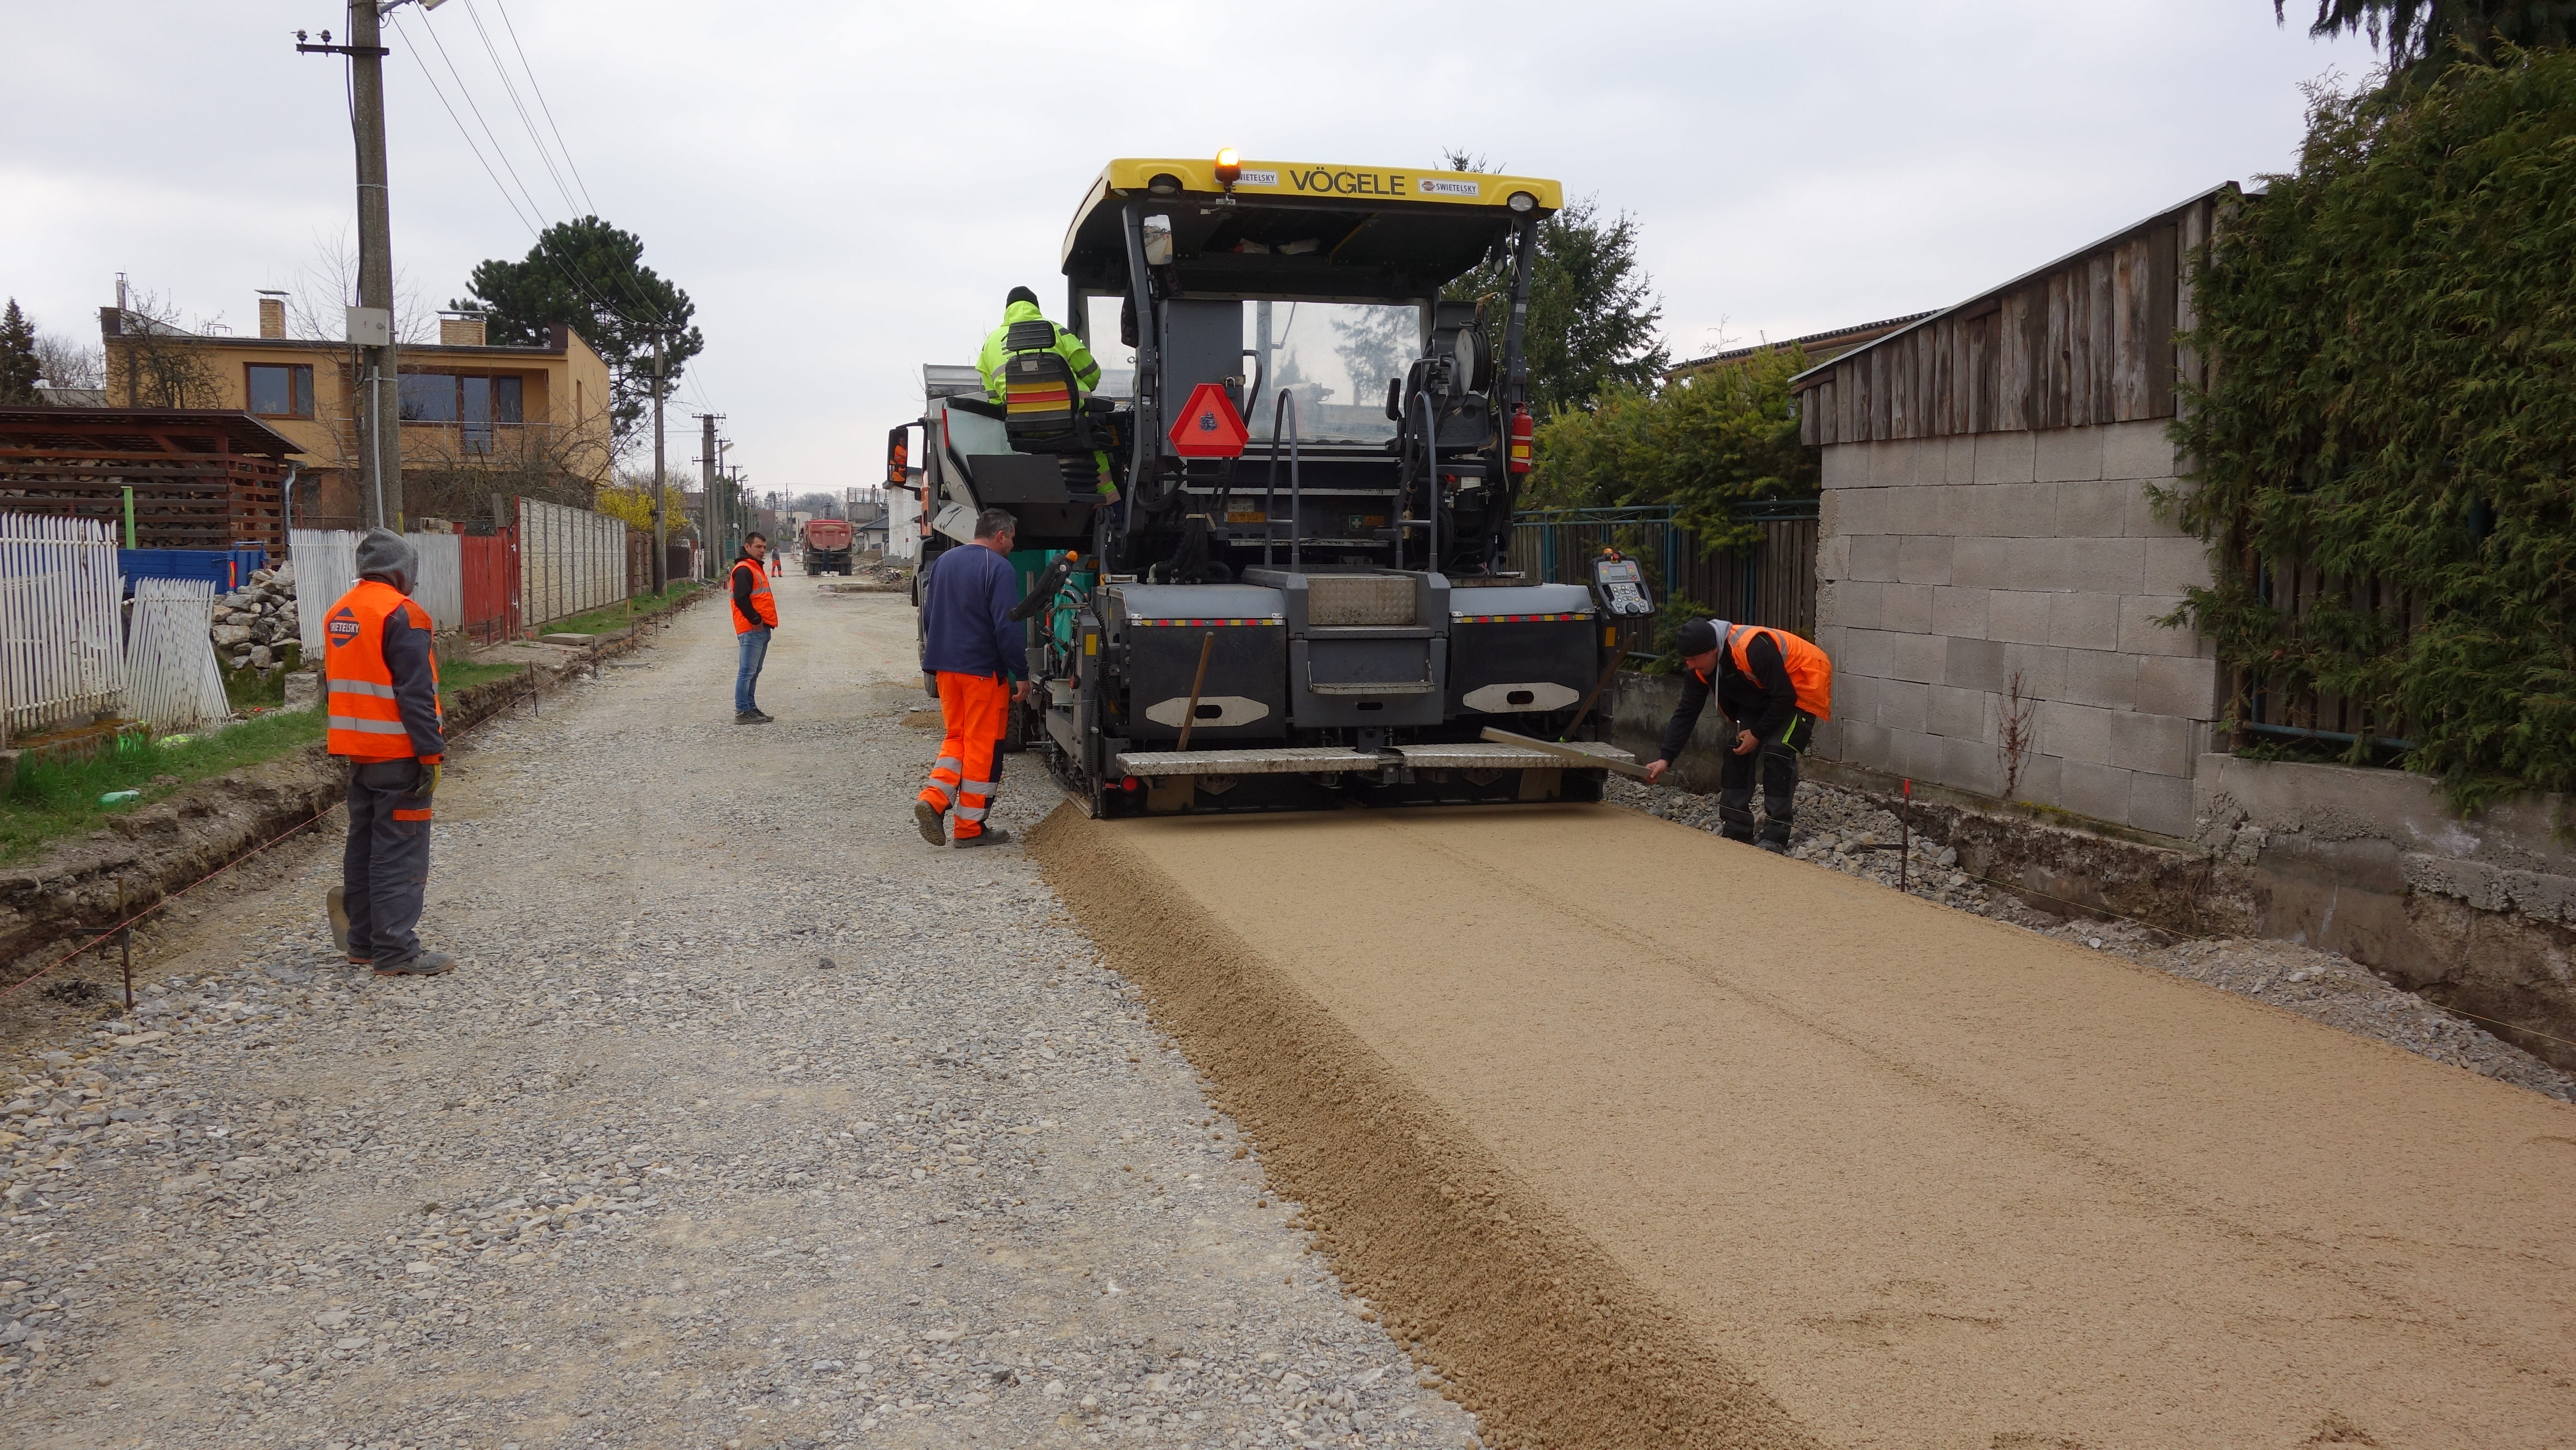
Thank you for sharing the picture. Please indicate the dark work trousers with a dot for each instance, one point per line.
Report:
(385, 870)
(1775, 764)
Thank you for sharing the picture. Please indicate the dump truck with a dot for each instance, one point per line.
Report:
(825, 545)
(1298, 595)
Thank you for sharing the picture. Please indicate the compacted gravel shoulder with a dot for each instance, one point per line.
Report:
(749, 1121)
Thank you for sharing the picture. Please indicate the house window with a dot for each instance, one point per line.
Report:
(474, 401)
(281, 390)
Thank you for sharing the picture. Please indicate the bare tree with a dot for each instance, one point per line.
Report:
(64, 361)
(157, 361)
(321, 291)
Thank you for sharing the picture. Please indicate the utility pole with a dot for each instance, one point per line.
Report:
(373, 335)
(661, 555)
(707, 476)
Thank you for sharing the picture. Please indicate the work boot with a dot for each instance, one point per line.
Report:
(1776, 848)
(753, 717)
(989, 836)
(418, 964)
(926, 816)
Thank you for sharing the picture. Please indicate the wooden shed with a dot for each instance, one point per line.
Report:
(2087, 339)
(203, 478)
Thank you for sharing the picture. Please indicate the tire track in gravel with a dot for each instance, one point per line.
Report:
(643, 1172)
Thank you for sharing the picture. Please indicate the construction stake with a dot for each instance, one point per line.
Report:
(1905, 835)
(126, 945)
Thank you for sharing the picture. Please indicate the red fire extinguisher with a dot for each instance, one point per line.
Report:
(1523, 432)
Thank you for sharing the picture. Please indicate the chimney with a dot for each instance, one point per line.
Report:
(272, 314)
(460, 332)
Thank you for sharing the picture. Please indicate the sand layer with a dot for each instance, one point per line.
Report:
(1649, 1138)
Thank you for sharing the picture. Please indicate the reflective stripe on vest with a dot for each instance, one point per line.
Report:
(363, 716)
(761, 603)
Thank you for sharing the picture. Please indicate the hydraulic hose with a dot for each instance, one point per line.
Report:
(1270, 488)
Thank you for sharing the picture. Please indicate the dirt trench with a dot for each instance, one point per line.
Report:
(1648, 1138)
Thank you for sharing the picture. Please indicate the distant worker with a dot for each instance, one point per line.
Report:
(1020, 307)
(755, 614)
(979, 655)
(381, 687)
(1772, 687)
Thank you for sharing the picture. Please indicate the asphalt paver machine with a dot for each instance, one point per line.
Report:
(1300, 595)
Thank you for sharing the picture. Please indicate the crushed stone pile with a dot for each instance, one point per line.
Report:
(1853, 833)
(255, 624)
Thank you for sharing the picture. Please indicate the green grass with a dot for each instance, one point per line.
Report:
(53, 799)
(466, 674)
(619, 615)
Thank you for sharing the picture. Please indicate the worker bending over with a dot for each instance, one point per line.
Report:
(1019, 307)
(980, 656)
(755, 614)
(381, 691)
(1772, 687)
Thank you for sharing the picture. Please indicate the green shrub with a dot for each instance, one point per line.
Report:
(2393, 399)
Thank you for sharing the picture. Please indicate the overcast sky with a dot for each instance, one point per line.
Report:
(848, 190)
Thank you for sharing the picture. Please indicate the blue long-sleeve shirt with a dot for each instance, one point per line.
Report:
(967, 624)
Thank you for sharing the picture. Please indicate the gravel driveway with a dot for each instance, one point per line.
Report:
(750, 1121)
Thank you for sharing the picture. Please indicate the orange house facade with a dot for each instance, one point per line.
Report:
(477, 420)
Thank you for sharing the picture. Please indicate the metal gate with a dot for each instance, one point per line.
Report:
(491, 569)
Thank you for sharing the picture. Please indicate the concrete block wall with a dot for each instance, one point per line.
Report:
(1951, 570)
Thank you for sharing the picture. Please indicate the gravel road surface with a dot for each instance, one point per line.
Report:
(750, 1121)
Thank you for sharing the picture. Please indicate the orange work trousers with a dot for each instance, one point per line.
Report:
(974, 711)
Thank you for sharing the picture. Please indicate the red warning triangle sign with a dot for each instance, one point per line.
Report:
(1208, 426)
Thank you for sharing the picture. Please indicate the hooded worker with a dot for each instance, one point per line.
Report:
(381, 695)
(1021, 305)
(1772, 687)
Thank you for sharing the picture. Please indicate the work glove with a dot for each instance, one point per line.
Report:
(428, 785)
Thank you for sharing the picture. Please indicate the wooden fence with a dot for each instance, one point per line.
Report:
(172, 680)
(62, 656)
(202, 479)
(2299, 589)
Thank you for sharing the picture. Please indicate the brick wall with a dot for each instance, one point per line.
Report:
(1947, 566)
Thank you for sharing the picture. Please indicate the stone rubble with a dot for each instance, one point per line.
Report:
(254, 625)
(1854, 834)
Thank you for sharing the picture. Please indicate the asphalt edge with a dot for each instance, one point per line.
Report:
(1541, 1334)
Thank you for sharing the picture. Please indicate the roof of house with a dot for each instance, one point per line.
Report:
(140, 430)
(1822, 346)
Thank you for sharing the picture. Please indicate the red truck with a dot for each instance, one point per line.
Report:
(825, 544)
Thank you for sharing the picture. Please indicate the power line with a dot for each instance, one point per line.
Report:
(463, 90)
(563, 268)
(511, 89)
(542, 106)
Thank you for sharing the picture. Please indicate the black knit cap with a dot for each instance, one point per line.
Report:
(1021, 294)
(1699, 636)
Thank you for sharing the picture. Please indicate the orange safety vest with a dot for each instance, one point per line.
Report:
(1811, 670)
(365, 721)
(760, 600)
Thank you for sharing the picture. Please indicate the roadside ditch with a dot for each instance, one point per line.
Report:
(141, 859)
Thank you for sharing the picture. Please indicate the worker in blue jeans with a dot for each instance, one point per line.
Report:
(755, 614)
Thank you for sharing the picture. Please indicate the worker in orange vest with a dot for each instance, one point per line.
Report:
(381, 696)
(755, 614)
(1772, 688)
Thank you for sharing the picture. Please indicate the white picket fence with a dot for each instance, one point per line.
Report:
(571, 561)
(60, 636)
(172, 681)
(326, 565)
